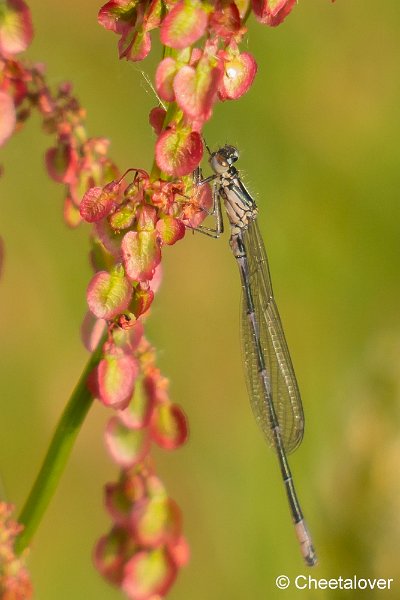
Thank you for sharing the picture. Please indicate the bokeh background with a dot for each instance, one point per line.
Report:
(319, 134)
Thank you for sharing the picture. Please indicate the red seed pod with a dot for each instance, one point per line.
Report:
(170, 229)
(62, 163)
(137, 414)
(72, 216)
(135, 45)
(196, 88)
(110, 554)
(109, 294)
(199, 206)
(156, 520)
(225, 21)
(92, 330)
(7, 117)
(16, 31)
(169, 426)
(156, 119)
(239, 73)
(272, 12)
(141, 254)
(127, 446)
(116, 376)
(179, 151)
(184, 24)
(141, 301)
(149, 574)
(98, 202)
(164, 78)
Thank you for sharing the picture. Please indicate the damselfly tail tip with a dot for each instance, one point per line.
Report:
(310, 557)
(306, 545)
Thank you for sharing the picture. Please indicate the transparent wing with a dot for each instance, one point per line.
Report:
(284, 389)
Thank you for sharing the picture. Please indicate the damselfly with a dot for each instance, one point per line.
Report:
(271, 382)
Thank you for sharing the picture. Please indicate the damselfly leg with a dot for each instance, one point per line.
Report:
(215, 212)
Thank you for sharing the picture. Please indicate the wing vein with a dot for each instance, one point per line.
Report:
(284, 389)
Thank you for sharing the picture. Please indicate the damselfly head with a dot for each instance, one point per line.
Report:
(223, 158)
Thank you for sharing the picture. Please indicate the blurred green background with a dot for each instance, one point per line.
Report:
(319, 134)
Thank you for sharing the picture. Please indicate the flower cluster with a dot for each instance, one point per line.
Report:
(126, 378)
(144, 549)
(183, 23)
(14, 579)
(75, 160)
(202, 62)
(131, 223)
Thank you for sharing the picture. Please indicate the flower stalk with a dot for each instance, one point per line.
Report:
(57, 455)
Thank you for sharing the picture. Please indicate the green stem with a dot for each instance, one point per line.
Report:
(57, 455)
(247, 14)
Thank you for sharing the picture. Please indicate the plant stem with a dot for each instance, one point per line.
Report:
(57, 455)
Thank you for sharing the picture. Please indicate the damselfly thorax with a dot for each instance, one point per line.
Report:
(240, 206)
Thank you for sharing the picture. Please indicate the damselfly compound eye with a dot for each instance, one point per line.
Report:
(230, 153)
